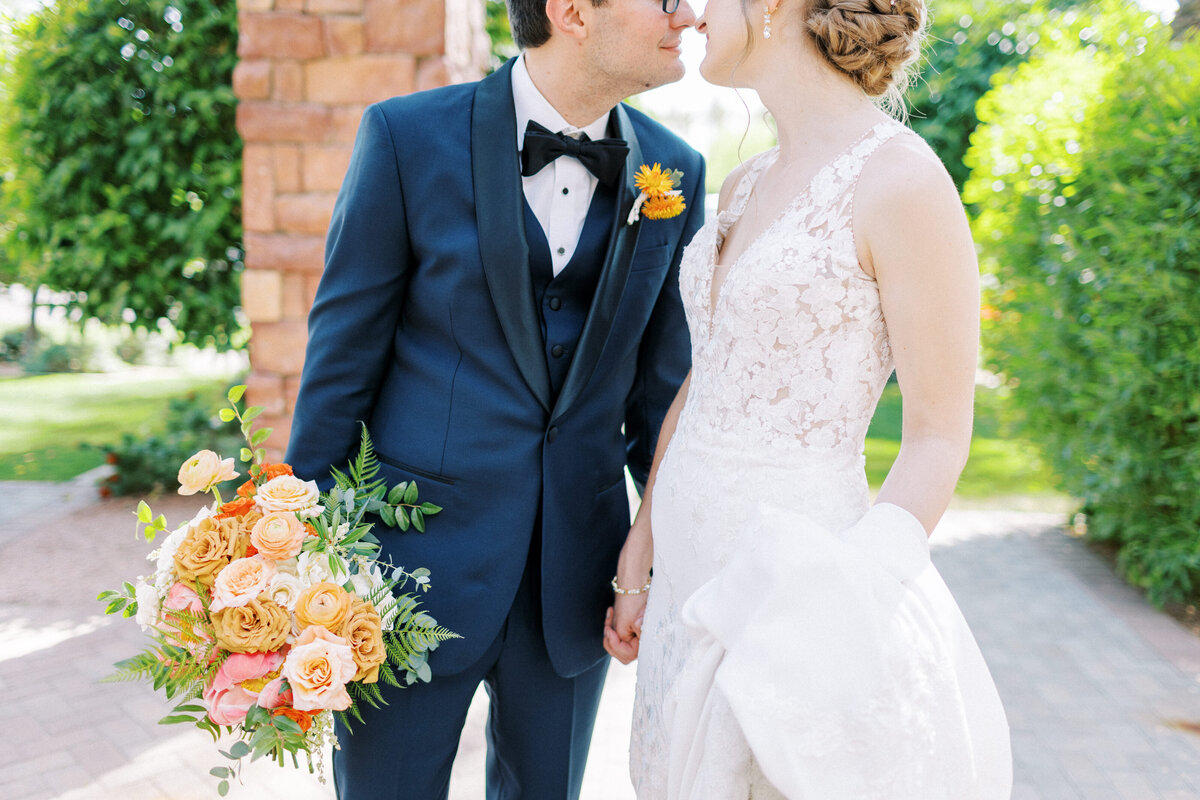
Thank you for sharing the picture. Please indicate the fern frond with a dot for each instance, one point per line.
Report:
(365, 467)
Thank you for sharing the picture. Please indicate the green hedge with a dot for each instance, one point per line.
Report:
(1086, 171)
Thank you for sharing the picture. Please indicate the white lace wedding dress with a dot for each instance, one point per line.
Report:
(792, 646)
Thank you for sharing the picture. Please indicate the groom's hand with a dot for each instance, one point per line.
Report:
(623, 627)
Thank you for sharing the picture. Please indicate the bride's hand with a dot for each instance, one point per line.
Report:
(623, 622)
(623, 627)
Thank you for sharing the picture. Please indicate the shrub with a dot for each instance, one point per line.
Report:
(1089, 225)
(151, 464)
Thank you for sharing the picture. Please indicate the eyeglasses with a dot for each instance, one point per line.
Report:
(670, 6)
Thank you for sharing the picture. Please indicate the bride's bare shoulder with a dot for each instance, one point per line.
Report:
(905, 171)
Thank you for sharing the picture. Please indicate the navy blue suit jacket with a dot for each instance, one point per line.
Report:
(424, 328)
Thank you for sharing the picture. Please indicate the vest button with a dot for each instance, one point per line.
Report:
(557, 351)
(555, 303)
(551, 435)
(562, 251)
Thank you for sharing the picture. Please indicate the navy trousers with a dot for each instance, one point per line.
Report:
(538, 731)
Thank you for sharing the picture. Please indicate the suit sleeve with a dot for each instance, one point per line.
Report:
(353, 320)
(665, 355)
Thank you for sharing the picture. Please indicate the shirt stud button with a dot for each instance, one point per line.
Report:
(565, 190)
(562, 251)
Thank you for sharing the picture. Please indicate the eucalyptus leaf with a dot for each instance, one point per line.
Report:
(236, 392)
(226, 414)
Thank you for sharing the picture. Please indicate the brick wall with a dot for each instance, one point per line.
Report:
(308, 69)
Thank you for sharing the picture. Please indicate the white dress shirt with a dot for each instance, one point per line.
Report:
(561, 192)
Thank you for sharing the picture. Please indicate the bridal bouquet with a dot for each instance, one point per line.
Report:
(269, 613)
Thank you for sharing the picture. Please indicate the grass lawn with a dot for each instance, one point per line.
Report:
(999, 465)
(47, 417)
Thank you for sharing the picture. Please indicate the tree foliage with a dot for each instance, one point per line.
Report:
(1086, 171)
(970, 41)
(124, 167)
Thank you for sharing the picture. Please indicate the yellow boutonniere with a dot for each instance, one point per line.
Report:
(660, 196)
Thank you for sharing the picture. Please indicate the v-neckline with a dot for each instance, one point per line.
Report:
(716, 291)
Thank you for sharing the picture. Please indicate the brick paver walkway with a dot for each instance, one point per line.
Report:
(1099, 687)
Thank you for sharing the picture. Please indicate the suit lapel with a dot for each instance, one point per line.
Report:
(499, 217)
(617, 260)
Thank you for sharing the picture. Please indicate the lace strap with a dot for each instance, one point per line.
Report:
(847, 167)
(745, 184)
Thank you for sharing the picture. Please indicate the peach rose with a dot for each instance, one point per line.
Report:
(228, 707)
(318, 668)
(363, 630)
(259, 626)
(279, 535)
(288, 493)
(325, 604)
(203, 471)
(208, 548)
(240, 582)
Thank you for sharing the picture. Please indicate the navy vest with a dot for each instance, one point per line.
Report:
(563, 301)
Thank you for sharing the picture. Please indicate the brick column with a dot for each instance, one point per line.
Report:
(308, 69)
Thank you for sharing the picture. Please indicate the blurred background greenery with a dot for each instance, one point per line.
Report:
(1071, 127)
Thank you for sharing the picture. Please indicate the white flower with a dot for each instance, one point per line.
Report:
(148, 601)
(365, 582)
(289, 565)
(314, 568)
(285, 589)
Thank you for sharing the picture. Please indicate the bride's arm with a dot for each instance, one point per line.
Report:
(623, 624)
(918, 243)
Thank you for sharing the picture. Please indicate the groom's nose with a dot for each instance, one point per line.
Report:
(684, 16)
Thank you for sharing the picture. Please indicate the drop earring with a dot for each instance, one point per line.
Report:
(766, 23)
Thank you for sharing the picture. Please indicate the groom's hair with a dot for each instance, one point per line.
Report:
(528, 21)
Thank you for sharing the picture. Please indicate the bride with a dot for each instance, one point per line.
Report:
(795, 640)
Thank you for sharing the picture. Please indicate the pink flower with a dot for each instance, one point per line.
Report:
(182, 597)
(318, 668)
(228, 707)
(241, 667)
(271, 697)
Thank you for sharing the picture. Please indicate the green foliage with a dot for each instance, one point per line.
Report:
(498, 31)
(971, 41)
(151, 463)
(1089, 223)
(121, 164)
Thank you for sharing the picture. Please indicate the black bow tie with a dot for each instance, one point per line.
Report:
(604, 158)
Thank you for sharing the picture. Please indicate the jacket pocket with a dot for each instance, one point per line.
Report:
(420, 473)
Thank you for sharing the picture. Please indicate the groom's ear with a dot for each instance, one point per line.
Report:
(569, 17)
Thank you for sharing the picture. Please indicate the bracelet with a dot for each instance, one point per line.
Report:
(642, 590)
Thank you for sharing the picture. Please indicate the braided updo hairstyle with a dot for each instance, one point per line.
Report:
(875, 42)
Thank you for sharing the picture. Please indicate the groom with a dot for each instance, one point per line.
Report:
(511, 343)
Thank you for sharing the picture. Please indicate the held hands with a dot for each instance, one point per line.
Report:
(623, 627)
(623, 622)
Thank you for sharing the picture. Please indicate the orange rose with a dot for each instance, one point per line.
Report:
(324, 604)
(247, 489)
(270, 471)
(236, 508)
(260, 626)
(364, 631)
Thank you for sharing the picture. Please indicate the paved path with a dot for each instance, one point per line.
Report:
(1099, 687)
